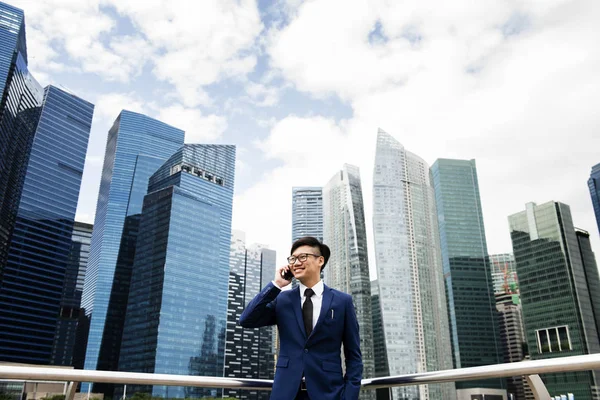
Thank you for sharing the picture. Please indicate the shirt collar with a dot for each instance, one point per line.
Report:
(318, 289)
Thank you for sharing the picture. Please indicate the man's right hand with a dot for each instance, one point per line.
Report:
(279, 280)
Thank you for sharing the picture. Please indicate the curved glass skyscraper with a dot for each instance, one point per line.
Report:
(409, 269)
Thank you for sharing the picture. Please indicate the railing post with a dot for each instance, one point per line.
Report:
(71, 389)
(537, 387)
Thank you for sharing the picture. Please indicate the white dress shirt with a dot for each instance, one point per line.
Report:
(317, 299)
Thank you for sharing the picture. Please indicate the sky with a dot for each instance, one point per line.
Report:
(301, 87)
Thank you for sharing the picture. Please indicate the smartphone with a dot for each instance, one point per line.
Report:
(287, 275)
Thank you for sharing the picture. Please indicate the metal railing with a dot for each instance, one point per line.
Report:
(529, 369)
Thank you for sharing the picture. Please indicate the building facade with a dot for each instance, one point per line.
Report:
(70, 338)
(409, 269)
(557, 307)
(590, 267)
(347, 270)
(136, 147)
(379, 353)
(504, 272)
(20, 105)
(594, 185)
(249, 353)
(466, 267)
(177, 306)
(32, 284)
(307, 212)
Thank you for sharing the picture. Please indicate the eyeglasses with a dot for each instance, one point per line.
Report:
(300, 257)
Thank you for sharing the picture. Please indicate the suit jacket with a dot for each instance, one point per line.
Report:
(317, 357)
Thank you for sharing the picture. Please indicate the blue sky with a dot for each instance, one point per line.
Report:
(302, 87)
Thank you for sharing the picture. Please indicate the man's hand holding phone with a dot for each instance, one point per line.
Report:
(283, 276)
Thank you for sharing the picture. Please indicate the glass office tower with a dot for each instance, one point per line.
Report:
(345, 233)
(409, 269)
(136, 147)
(177, 308)
(71, 330)
(32, 284)
(558, 311)
(469, 287)
(594, 185)
(307, 212)
(20, 101)
(249, 353)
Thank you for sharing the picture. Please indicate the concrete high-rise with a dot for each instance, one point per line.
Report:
(409, 269)
(307, 212)
(249, 353)
(345, 233)
(177, 305)
(469, 289)
(38, 251)
(558, 310)
(136, 147)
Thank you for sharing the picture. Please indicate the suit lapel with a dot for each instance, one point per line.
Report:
(327, 298)
(297, 306)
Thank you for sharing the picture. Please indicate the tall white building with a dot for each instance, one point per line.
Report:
(348, 268)
(307, 212)
(409, 269)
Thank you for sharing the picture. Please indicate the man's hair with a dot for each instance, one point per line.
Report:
(313, 242)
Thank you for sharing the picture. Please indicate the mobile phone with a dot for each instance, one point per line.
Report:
(287, 275)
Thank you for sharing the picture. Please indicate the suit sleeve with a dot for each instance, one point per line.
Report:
(352, 353)
(261, 310)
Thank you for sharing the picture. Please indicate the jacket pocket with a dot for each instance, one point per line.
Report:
(282, 362)
(332, 366)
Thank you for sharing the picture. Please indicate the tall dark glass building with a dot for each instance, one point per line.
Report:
(594, 185)
(136, 147)
(177, 309)
(558, 311)
(20, 101)
(469, 287)
(30, 293)
(249, 353)
(71, 330)
(590, 268)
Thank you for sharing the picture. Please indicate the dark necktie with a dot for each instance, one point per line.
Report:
(307, 311)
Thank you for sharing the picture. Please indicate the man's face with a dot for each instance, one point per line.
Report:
(310, 269)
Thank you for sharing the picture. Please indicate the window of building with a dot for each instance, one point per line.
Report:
(553, 339)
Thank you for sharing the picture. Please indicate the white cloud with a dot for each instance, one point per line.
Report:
(198, 128)
(109, 106)
(513, 85)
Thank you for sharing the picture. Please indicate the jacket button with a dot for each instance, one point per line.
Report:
(306, 350)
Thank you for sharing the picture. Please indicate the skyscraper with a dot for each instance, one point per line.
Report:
(307, 212)
(379, 353)
(20, 102)
(557, 307)
(594, 185)
(590, 268)
(504, 272)
(348, 267)
(249, 353)
(409, 269)
(30, 294)
(469, 289)
(177, 307)
(72, 326)
(512, 338)
(136, 147)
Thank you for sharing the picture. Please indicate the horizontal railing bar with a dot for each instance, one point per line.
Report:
(562, 364)
(532, 367)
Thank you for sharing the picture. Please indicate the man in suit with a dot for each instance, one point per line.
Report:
(313, 322)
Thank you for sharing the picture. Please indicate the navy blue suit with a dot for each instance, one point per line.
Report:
(317, 357)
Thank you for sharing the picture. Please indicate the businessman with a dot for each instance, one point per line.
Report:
(313, 322)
